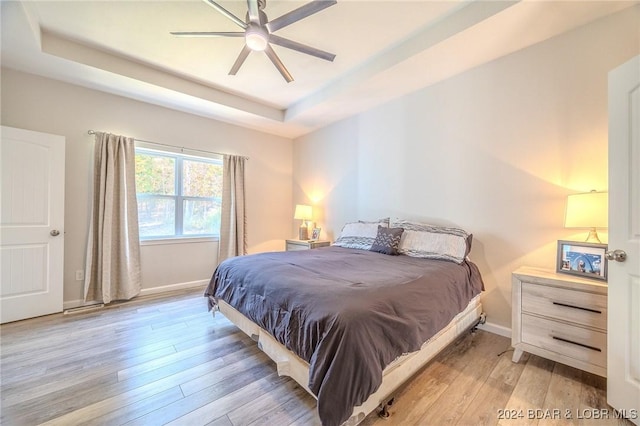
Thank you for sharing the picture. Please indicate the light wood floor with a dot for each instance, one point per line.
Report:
(164, 359)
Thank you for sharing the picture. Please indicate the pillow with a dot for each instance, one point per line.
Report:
(359, 235)
(384, 221)
(387, 240)
(433, 242)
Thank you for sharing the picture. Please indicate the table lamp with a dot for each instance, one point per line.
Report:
(588, 210)
(304, 213)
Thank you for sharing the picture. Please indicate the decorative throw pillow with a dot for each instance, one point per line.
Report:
(433, 242)
(387, 241)
(359, 235)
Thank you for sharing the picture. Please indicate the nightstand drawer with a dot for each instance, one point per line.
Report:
(296, 247)
(576, 342)
(579, 307)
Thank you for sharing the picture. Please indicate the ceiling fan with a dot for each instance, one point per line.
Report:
(258, 32)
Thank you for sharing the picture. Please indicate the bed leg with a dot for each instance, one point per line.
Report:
(384, 410)
(481, 320)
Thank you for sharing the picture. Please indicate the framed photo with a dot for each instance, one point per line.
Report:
(587, 260)
(315, 235)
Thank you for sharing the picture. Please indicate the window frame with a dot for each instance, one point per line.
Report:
(178, 155)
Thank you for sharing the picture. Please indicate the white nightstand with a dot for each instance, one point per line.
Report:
(292, 245)
(560, 317)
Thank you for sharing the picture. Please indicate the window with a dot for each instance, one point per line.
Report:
(178, 195)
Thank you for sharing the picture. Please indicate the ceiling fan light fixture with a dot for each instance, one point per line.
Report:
(258, 32)
(256, 38)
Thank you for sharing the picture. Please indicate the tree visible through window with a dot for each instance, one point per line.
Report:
(178, 195)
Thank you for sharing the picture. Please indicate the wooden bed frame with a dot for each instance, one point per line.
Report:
(396, 373)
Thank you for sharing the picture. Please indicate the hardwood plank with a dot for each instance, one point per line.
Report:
(562, 397)
(530, 391)
(46, 406)
(73, 382)
(97, 409)
(154, 364)
(206, 396)
(299, 404)
(453, 402)
(125, 411)
(52, 352)
(108, 320)
(494, 393)
(593, 403)
(214, 376)
(220, 421)
(143, 385)
(263, 404)
(127, 398)
(244, 396)
(309, 419)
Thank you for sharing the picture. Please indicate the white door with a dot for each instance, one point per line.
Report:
(31, 223)
(623, 370)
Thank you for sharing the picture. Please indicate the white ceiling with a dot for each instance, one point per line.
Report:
(384, 49)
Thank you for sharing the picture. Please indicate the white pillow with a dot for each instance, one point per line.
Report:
(359, 235)
(433, 242)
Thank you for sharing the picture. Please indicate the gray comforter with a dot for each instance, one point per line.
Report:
(348, 313)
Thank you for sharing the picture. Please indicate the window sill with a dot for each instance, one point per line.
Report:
(178, 240)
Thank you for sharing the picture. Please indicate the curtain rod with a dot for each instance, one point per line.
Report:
(93, 132)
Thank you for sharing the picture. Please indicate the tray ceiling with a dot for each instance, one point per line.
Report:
(384, 49)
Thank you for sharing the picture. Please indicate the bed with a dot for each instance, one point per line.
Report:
(348, 324)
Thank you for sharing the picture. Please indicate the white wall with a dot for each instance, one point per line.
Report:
(494, 150)
(49, 106)
(325, 170)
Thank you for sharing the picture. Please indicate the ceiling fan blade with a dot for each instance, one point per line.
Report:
(299, 13)
(294, 45)
(239, 22)
(206, 34)
(254, 11)
(241, 58)
(278, 63)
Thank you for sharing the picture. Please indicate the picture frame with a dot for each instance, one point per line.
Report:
(315, 234)
(587, 260)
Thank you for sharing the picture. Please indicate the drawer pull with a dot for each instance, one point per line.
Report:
(593, 348)
(595, 311)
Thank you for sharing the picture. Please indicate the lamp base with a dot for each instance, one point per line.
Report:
(303, 233)
(593, 237)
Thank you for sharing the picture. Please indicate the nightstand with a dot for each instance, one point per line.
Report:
(560, 317)
(292, 245)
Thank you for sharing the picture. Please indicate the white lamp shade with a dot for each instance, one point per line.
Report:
(303, 212)
(587, 210)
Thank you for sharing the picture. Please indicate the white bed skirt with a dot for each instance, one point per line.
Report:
(396, 373)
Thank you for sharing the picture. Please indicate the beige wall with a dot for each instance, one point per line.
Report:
(49, 106)
(494, 150)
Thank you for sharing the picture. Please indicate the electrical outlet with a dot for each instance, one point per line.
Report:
(79, 275)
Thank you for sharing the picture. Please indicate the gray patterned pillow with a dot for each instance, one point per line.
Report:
(387, 240)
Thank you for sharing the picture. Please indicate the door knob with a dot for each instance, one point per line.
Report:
(54, 233)
(617, 255)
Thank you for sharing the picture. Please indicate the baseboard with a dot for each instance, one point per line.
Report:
(71, 304)
(173, 287)
(495, 329)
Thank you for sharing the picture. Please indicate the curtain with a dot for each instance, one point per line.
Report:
(233, 222)
(113, 250)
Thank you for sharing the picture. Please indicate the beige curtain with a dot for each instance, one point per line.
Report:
(113, 249)
(233, 223)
